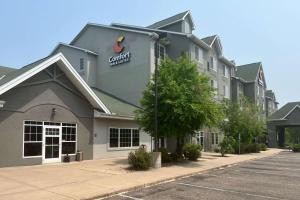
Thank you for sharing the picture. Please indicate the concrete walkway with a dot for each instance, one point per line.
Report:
(91, 179)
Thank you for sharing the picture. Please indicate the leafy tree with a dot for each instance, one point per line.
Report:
(185, 101)
(244, 119)
(292, 135)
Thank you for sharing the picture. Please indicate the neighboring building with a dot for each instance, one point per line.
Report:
(83, 96)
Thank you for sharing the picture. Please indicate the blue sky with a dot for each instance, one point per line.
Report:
(250, 30)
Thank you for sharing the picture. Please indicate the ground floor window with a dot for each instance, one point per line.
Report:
(200, 138)
(214, 138)
(34, 137)
(124, 137)
(68, 138)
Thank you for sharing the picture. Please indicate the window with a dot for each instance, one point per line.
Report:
(225, 71)
(161, 52)
(200, 138)
(217, 138)
(213, 63)
(68, 138)
(124, 137)
(214, 84)
(33, 138)
(208, 67)
(81, 65)
(212, 138)
(226, 91)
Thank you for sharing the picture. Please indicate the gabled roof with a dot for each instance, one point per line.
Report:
(171, 20)
(5, 70)
(73, 47)
(284, 111)
(16, 77)
(209, 40)
(88, 25)
(116, 105)
(248, 72)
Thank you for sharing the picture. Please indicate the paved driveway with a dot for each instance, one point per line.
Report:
(273, 178)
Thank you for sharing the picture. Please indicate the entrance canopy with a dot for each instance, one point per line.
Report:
(286, 116)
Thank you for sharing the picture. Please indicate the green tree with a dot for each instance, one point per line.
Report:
(243, 118)
(185, 101)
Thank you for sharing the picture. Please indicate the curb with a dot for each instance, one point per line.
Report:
(173, 178)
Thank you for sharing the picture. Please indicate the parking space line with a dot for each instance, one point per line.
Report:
(129, 197)
(229, 191)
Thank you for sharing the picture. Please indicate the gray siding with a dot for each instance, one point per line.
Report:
(101, 138)
(35, 101)
(127, 80)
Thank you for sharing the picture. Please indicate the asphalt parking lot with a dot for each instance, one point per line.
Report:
(274, 178)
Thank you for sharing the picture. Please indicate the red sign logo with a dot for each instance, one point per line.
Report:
(117, 47)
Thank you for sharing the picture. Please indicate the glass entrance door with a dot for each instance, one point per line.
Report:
(52, 144)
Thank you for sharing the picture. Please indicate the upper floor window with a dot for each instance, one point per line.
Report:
(81, 64)
(208, 66)
(225, 71)
(226, 91)
(161, 52)
(214, 84)
(213, 63)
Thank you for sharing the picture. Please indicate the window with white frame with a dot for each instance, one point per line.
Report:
(226, 91)
(69, 138)
(213, 63)
(225, 71)
(124, 137)
(214, 84)
(33, 138)
(200, 138)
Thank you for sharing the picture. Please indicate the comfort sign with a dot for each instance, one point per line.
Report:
(123, 57)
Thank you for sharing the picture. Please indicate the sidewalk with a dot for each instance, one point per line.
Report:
(98, 178)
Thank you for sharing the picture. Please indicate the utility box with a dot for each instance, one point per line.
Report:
(79, 156)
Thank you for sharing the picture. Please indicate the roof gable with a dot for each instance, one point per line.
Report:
(16, 77)
(214, 41)
(173, 19)
(248, 72)
(285, 111)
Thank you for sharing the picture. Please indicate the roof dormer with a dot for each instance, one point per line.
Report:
(181, 22)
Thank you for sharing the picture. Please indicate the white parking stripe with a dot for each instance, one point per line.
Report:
(230, 191)
(123, 195)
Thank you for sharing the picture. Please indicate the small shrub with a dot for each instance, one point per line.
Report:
(252, 148)
(165, 155)
(140, 159)
(217, 150)
(263, 147)
(175, 157)
(296, 148)
(226, 146)
(192, 151)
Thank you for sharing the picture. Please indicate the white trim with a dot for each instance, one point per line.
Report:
(297, 106)
(64, 64)
(110, 27)
(73, 47)
(59, 136)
